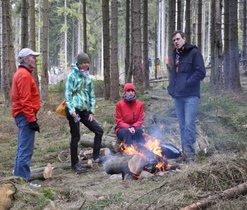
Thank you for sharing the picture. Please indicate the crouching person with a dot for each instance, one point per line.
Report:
(129, 117)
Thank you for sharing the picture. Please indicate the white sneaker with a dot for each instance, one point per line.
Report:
(35, 185)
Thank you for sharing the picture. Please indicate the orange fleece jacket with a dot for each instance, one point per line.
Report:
(25, 94)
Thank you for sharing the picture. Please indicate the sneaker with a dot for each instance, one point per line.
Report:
(98, 160)
(77, 168)
(35, 185)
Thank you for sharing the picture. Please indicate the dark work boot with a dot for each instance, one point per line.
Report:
(77, 168)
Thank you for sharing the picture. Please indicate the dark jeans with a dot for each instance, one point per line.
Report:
(75, 135)
(124, 135)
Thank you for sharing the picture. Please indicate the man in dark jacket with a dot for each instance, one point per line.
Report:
(187, 72)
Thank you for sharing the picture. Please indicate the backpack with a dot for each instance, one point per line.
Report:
(170, 151)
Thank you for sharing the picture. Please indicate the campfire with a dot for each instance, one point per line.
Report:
(135, 158)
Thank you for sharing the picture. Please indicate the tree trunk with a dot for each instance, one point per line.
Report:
(199, 26)
(216, 45)
(85, 26)
(244, 44)
(179, 14)
(234, 75)
(33, 37)
(24, 23)
(9, 66)
(188, 22)
(145, 45)
(44, 75)
(136, 43)
(172, 9)
(226, 56)
(114, 51)
(106, 47)
(127, 43)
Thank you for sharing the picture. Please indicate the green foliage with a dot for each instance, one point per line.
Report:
(57, 89)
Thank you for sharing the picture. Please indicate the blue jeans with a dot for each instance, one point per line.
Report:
(25, 147)
(186, 111)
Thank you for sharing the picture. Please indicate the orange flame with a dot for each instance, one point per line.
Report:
(152, 145)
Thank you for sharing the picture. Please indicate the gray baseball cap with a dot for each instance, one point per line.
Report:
(26, 52)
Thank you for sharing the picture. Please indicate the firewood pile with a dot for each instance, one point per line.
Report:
(131, 160)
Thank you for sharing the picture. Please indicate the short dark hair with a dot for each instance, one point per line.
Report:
(178, 32)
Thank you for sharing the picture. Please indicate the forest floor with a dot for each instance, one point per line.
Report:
(220, 162)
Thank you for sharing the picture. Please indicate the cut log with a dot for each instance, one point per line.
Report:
(48, 171)
(7, 190)
(125, 164)
(45, 172)
(226, 194)
(87, 140)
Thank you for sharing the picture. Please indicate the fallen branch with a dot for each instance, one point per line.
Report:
(159, 98)
(226, 194)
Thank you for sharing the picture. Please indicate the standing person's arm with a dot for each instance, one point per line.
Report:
(24, 84)
(198, 68)
(92, 101)
(68, 94)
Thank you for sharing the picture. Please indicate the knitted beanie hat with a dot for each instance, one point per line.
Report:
(128, 86)
(82, 58)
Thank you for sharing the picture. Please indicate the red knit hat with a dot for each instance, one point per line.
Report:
(128, 86)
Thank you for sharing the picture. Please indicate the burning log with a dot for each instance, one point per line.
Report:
(87, 140)
(132, 164)
(229, 193)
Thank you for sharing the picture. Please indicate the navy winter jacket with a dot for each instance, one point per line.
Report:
(191, 70)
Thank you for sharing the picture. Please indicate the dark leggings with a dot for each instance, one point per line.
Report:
(75, 134)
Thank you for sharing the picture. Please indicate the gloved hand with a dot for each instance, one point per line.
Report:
(34, 126)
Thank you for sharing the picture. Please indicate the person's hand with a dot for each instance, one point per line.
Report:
(34, 126)
(73, 115)
(91, 117)
(132, 130)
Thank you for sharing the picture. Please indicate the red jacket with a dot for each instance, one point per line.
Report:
(129, 114)
(25, 94)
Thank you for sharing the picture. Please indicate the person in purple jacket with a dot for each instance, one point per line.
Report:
(184, 86)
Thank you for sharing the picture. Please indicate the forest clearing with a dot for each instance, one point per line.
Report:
(216, 181)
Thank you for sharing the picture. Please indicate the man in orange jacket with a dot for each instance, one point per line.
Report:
(129, 117)
(25, 106)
